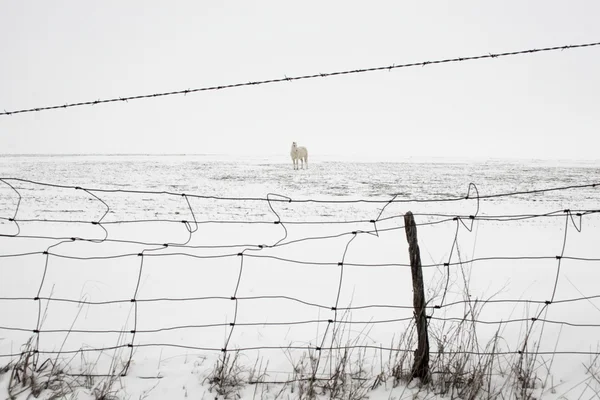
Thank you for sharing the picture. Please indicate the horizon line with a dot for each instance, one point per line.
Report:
(334, 156)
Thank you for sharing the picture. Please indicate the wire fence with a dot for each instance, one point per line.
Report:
(36, 258)
(103, 280)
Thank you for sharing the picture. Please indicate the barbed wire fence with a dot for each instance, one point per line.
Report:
(101, 248)
(301, 77)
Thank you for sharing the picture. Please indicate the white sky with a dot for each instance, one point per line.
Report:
(532, 106)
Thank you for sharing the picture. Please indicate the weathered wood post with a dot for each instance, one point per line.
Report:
(421, 365)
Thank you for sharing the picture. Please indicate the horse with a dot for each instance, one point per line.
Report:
(299, 153)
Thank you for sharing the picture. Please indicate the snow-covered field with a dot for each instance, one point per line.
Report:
(286, 277)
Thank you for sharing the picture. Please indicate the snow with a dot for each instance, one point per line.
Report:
(285, 293)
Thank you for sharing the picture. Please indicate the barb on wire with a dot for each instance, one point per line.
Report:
(300, 77)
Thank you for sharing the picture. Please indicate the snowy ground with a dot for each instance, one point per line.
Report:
(183, 310)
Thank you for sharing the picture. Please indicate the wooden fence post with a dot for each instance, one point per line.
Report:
(421, 365)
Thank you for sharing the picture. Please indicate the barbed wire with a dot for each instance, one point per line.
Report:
(302, 77)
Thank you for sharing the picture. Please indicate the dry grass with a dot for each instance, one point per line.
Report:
(228, 377)
(27, 375)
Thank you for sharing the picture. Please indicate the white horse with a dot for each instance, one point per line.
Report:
(299, 153)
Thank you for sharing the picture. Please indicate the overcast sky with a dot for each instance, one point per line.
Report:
(543, 105)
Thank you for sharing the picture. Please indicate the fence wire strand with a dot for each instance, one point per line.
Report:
(300, 78)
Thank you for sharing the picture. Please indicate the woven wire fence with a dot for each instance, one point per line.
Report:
(84, 278)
